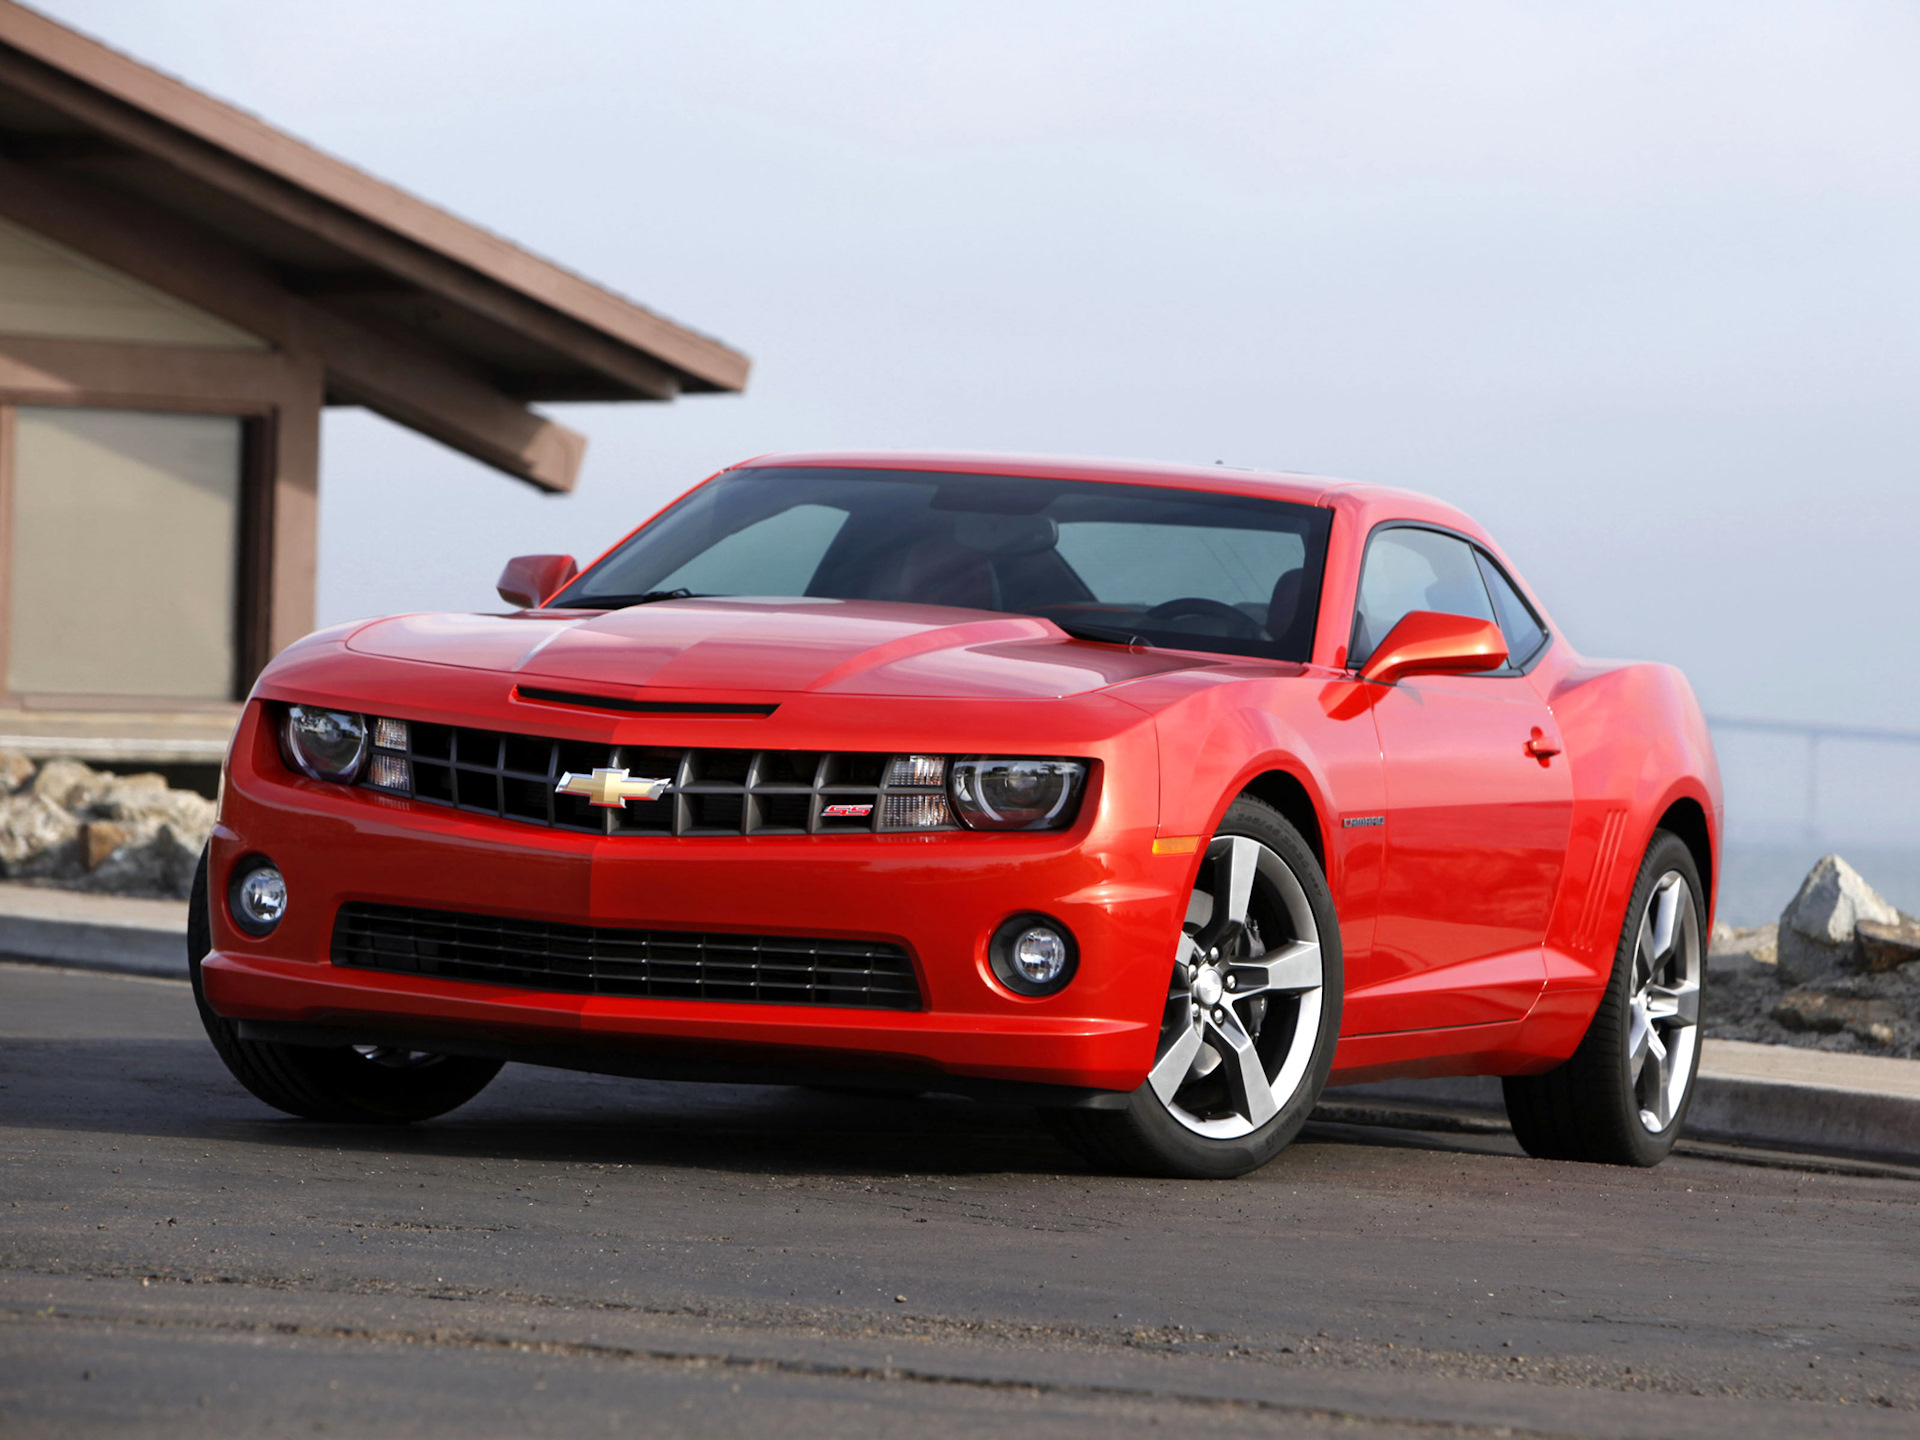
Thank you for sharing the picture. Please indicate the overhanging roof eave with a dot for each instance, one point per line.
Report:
(697, 362)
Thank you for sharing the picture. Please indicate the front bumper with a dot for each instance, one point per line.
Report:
(939, 896)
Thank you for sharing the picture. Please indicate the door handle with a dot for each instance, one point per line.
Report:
(1541, 748)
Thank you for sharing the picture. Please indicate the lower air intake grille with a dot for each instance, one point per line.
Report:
(602, 960)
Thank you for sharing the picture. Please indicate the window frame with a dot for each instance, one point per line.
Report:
(1480, 554)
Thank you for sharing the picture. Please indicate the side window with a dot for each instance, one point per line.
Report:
(1409, 569)
(1524, 633)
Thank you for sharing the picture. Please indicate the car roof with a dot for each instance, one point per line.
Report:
(1302, 489)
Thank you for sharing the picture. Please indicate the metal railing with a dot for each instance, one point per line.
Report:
(1814, 735)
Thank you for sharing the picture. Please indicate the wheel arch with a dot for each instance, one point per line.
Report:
(1687, 818)
(1288, 794)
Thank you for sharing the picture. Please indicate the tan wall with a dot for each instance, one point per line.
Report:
(169, 371)
(126, 561)
(47, 289)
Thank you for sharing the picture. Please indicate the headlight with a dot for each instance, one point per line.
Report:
(326, 744)
(1009, 794)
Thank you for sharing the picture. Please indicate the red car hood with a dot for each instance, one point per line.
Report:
(833, 646)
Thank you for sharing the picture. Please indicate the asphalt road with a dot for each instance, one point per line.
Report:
(576, 1255)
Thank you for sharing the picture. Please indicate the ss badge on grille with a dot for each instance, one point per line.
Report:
(611, 788)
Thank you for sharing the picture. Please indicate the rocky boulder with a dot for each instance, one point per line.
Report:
(1816, 935)
(1875, 1020)
(15, 770)
(67, 824)
(1888, 947)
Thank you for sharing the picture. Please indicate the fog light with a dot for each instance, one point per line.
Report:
(1040, 954)
(1033, 955)
(258, 898)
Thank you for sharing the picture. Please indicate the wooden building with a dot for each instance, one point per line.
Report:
(182, 288)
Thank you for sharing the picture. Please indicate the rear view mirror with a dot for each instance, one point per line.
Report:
(530, 579)
(1426, 642)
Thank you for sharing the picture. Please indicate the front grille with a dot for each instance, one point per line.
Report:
(715, 792)
(605, 960)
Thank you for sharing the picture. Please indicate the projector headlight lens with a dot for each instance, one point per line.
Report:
(992, 793)
(326, 744)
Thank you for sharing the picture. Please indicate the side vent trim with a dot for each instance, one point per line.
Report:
(1608, 851)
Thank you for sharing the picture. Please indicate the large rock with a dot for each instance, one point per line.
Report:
(1817, 928)
(1888, 947)
(38, 840)
(70, 825)
(1760, 943)
(15, 770)
(71, 785)
(1877, 1021)
(158, 858)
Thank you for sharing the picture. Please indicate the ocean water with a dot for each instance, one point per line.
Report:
(1759, 877)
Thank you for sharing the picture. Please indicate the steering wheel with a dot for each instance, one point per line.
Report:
(1240, 625)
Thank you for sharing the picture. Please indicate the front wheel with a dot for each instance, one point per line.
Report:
(1623, 1096)
(1252, 1015)
(357, 1084)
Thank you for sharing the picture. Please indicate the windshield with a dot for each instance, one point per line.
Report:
(1178, 568)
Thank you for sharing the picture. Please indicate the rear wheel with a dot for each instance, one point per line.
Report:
(1252, 1014)
(358, 1084)
(1623, 1096)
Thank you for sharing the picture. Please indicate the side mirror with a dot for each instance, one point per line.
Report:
(1425, 642)
(529, 579)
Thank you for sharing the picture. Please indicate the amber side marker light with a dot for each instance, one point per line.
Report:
(1176, 845)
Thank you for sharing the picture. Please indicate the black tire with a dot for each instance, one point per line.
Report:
(1588, 1108)
(337, 1083)
(1146, 1138)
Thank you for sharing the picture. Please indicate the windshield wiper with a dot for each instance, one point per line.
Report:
(1111, 634)
(621, 602)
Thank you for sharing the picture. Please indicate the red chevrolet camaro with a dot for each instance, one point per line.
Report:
(1160, 797)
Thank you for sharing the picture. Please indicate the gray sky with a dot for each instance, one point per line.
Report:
(1637, 284)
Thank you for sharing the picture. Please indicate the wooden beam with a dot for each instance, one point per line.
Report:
(58, 371)
(426, 391)
(246, 158)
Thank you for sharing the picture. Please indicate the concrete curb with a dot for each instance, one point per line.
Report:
(1772, 1097)
(116, 949)
(93, 932)
(1765, 1096)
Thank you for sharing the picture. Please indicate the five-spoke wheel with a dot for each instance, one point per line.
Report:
(1242, 1017)
(1622, 1098)
(1252, 1013)
(1663, 1010)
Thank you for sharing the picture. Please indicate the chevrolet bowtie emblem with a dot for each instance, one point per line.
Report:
(611, 788)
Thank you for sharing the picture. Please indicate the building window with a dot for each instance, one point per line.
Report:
(124, 554)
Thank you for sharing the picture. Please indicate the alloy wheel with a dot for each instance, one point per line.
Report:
(1663, 1008)
(1243, 1008)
